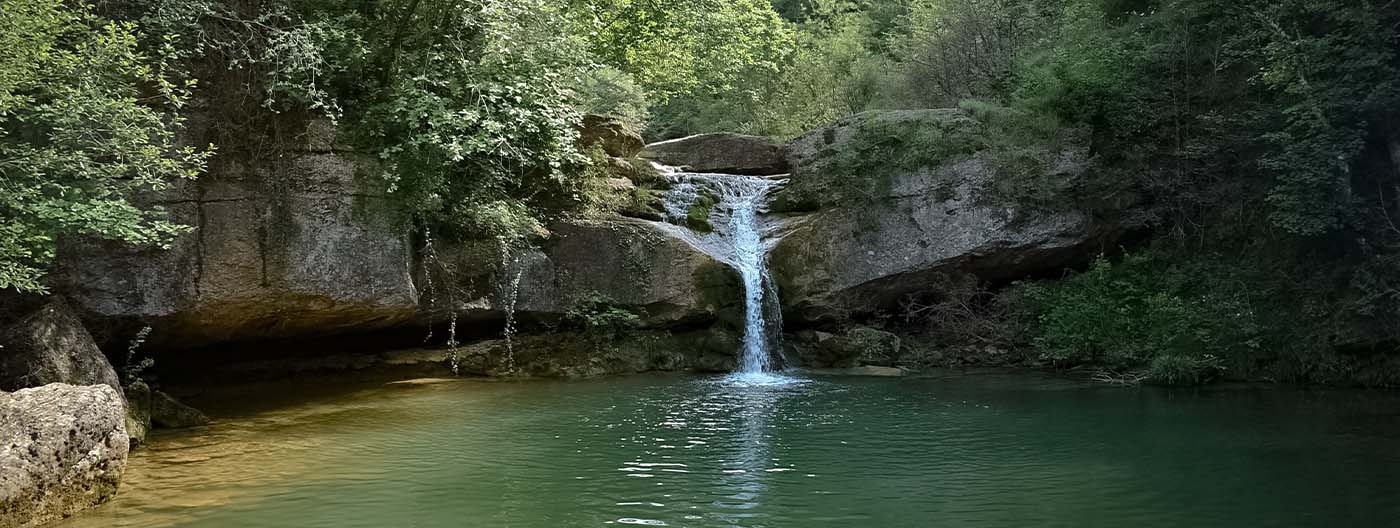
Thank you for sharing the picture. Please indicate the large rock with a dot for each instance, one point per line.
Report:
(296, 246)
(63, 449)
(615, 136)
(632, 264)
(887, 222)
(723, 153)
(42, 341)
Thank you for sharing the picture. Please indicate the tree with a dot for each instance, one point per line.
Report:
(86, 122)
(674, 48)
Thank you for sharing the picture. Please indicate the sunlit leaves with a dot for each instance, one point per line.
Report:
(86, 122)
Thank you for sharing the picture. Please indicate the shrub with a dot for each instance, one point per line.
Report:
(600, 319)
(1179, 370)
(1128, 315)
(609, 91)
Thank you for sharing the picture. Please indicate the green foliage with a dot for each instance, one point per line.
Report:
(472, 116)
(831, 73)
(87, 121)
(609, 91)
(1127, 315)
(674, 48)
(881, 146)
(599, 319)
(469, 106)
(1183, 370)
(1020, 146)
(1335, 69)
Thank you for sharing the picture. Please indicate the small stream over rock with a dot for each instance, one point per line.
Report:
(724, 216)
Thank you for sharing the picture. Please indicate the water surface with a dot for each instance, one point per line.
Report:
(988, 450)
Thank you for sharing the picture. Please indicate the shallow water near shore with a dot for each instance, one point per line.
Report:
(678, 450)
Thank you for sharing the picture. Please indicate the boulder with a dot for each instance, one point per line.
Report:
(43, 341)
(723, 153)
(887, 223)
(63, 449)
(617, 138)
(169, 413)
(295, 247)
(148, 409)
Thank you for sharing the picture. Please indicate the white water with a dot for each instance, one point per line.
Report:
(740, 239)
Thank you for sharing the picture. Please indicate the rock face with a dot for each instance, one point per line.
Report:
(617, 139)
(907, 222)
(305, 247)
(63, 449)
(299, 246)
(627, 263)
(721, 153)
(42, 341)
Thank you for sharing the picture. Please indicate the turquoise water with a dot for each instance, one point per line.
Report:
(976, 450)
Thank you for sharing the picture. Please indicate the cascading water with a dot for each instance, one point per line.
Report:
(738, 237)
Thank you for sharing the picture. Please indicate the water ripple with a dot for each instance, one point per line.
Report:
(775, 451)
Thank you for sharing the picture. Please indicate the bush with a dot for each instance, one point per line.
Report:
(1128, 315)
(1177, 370)
(609, 91)
(600, 319)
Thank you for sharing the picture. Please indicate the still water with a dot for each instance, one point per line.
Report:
(969, 450)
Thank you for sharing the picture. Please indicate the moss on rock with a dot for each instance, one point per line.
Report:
(697, 216)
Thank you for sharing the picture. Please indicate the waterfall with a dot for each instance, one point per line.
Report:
(738, 237)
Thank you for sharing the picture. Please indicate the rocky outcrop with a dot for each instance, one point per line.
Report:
(148, 408)
(42, 341)
(886, 227)
(720, 153)
(297, 246)
(169, 413)
(63, 449)
(628, 263)
(612, 134)
(856, 347)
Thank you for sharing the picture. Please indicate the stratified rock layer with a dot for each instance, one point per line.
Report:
(293, 247)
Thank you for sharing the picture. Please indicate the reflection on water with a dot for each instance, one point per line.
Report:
(754, 397)
(777, 451)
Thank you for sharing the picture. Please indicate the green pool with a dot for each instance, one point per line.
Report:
(674, 450)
